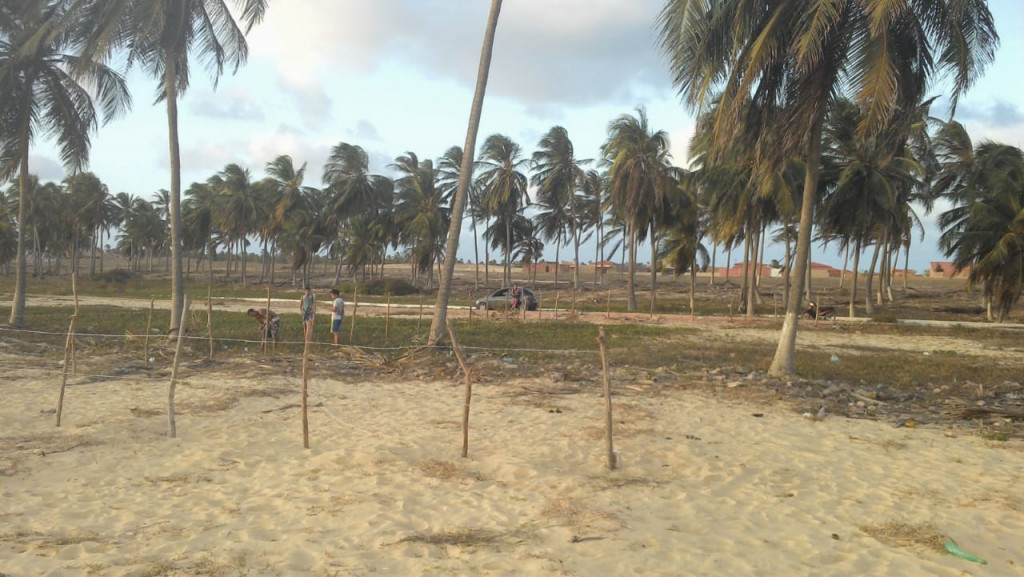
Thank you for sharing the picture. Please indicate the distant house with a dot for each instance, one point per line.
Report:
(818, 270)
(539, 267)
(937, 269)
(600, 267)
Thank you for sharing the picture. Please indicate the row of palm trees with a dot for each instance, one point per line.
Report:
(868, 202)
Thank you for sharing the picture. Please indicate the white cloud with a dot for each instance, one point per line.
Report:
(566, 53)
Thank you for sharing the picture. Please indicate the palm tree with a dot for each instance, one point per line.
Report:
(439, 322)
(984, 231)
(449, 171)
(593, 189)
(867, 187)
(682, 247)
(504, 189)
(161, 36)
(556, 175)
(241, 211)
(198, 212)
(288, 194)
(355, 190)
(88, 200)
(639, 182)
(797, 56)
(421, 212)
(43, 88)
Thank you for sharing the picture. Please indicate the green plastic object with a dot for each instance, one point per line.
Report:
(953, 549)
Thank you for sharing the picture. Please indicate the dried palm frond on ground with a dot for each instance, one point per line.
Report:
(902, 534)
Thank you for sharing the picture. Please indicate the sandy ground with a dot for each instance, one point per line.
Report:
(705, 487)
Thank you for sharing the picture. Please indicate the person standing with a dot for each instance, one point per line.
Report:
(307, 306)
(338, 314)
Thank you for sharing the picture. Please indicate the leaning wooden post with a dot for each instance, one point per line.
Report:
(74, 291)
(602, 342)
(574, 299)
(355, 309)
(608, 306)
(305, 387)
(209, 317)
(64, 372)
(469, 391)
(149, 327)
(387, 319)
(172, 430)
(558, 294)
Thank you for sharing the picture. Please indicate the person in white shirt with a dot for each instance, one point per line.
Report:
(338, 310)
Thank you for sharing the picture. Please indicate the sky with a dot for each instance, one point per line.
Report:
(397, 76)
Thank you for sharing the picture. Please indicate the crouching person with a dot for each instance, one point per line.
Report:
(269, 323)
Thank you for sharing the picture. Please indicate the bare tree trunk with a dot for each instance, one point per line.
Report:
(654, 269)
(177, 278)
(869, 307)
(440, 319)
(20, 270)
(631, 278)
(856, 273)
(783, 361)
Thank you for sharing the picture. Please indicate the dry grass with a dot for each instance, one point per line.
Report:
(457, 537)
(902, 534)
(445, 471)
(574, 514)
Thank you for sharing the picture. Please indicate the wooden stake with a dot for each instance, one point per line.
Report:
(469, 391)
(209, 317)
(149, 327)
(574, 299)
(64, 371)
(355, 309)
(305, 386)
(608, 306)
(387, 319)
(74, 290)
(558, 294)
(172, 430)
(601, 342)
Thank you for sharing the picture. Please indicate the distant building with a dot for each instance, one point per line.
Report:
(937, 269)
(539, 267)
(818, 270)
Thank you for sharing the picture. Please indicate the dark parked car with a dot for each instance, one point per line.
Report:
(500, 300)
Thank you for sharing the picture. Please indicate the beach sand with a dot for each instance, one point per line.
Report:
(705, 487)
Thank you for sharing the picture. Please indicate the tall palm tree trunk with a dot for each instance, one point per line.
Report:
(439, 322)
(654, 270)
(869, 307)
(631, 273)
(576, 257)
(783, 362)
(476, 259)
(20, 270)
(853, 283)
(558, 256)
(177, 278)
(507, 274)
